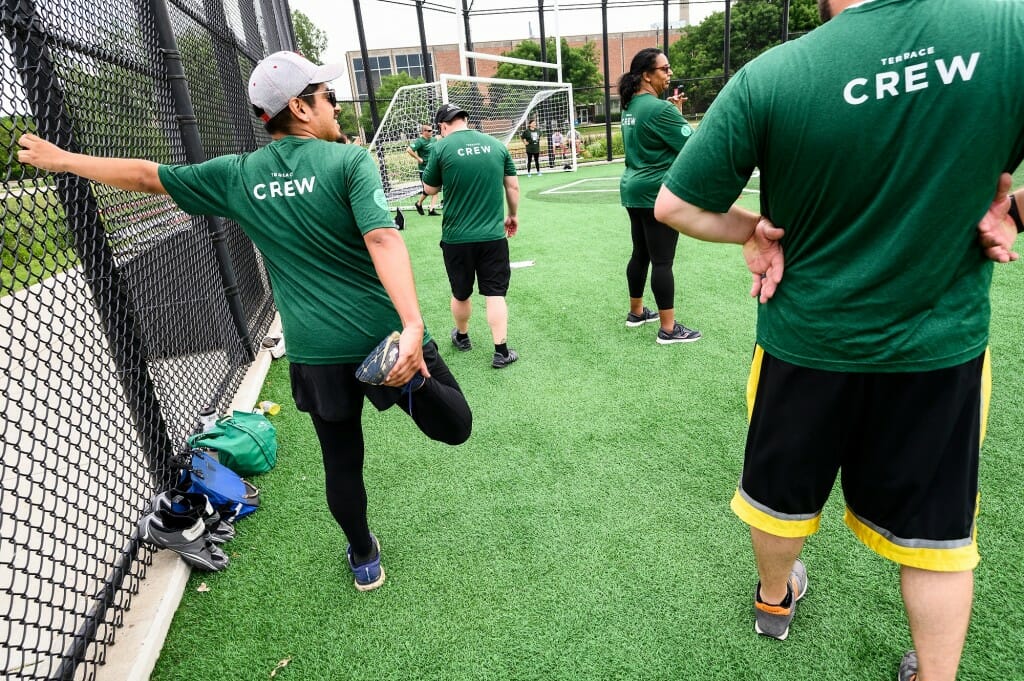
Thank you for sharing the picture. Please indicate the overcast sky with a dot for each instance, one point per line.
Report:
(389, 24)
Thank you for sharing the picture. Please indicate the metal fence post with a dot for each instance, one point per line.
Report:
(194, 154)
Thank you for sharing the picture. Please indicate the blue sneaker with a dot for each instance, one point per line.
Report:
(369, 575)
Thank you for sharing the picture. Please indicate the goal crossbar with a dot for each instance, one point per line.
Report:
(499, 107)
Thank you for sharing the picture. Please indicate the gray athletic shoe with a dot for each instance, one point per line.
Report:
(773, 620)
(679, 334)
(644, 317)
(908, 667)
(186, 536)
(501, 361)
(462, 345)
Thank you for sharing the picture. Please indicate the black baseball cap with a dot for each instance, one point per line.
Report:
(448, 112)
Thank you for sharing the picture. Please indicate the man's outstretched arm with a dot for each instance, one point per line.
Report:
(131, 174)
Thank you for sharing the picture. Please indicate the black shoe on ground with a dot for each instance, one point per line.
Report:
(679, 334)
(432, 212)
(501, 361)
(463, 344)
(181, 503)
(645, 317)
(419, 208)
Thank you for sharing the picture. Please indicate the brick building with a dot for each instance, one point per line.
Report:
(391, 61)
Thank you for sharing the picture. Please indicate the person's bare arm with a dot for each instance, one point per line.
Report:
(512, 200)
(132, 174)
(758, 236)
(394, 269)
(733, 227)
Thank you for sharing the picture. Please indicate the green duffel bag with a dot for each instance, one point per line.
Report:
(244, 442)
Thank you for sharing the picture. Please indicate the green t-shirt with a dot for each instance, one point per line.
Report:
(422, 146)
(531, 138)
(653, 132)
(471, 167)
(879, 150)
(306, 205)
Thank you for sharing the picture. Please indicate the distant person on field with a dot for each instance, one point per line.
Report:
(477, 173)
(340, 272)
(872, 361)
(531, 138)
(557, 142)
(653, 132)
(419, 149)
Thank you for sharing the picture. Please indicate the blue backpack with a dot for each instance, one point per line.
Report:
(228, 493)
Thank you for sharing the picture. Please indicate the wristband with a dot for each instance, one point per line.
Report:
(1015, 214)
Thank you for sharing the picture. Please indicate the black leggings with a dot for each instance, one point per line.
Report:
(535, 157)
(654, 244)
(440, 411)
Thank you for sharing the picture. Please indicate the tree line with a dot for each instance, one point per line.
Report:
(697, 57)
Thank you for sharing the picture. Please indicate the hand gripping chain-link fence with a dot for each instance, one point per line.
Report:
(120, 317)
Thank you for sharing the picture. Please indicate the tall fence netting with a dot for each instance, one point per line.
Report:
(116, 320)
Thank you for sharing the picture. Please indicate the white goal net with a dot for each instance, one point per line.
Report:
(498, 107)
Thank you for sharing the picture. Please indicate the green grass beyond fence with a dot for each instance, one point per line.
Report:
(584, 531)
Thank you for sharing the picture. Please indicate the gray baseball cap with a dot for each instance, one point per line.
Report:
(283, 75)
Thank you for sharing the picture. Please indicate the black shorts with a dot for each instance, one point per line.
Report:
(905, 446)
(332, 391)
(485, 261)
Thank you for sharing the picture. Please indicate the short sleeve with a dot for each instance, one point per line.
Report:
(716, 163)
(510, 166)
(366, 195)
(203, 188)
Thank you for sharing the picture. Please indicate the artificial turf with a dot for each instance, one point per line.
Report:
(583, 532)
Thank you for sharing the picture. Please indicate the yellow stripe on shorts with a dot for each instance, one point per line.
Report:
(936, 558)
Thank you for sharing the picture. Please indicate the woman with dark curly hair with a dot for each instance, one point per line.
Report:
(653, 132)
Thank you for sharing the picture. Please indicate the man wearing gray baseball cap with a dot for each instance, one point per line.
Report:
(341, 274)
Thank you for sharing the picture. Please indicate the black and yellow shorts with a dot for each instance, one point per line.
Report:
(905, 445)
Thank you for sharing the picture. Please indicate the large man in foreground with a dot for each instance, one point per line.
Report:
(340, 272)
(871, 357)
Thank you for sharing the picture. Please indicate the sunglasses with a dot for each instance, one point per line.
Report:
(332, 98)
(666, 68)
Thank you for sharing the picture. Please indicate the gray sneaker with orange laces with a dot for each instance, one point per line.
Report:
(773, 620)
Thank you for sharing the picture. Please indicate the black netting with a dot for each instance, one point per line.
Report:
(120, 316)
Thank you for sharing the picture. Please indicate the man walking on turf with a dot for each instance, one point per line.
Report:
(871, 356)
(419, 149)
(477, 173)
(340, 272)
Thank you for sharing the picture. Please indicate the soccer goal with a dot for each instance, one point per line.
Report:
(498, 107)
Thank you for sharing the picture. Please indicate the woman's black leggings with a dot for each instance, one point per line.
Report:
(654, 244)
(535, 158)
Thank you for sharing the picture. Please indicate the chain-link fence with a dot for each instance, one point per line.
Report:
(120, 317)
